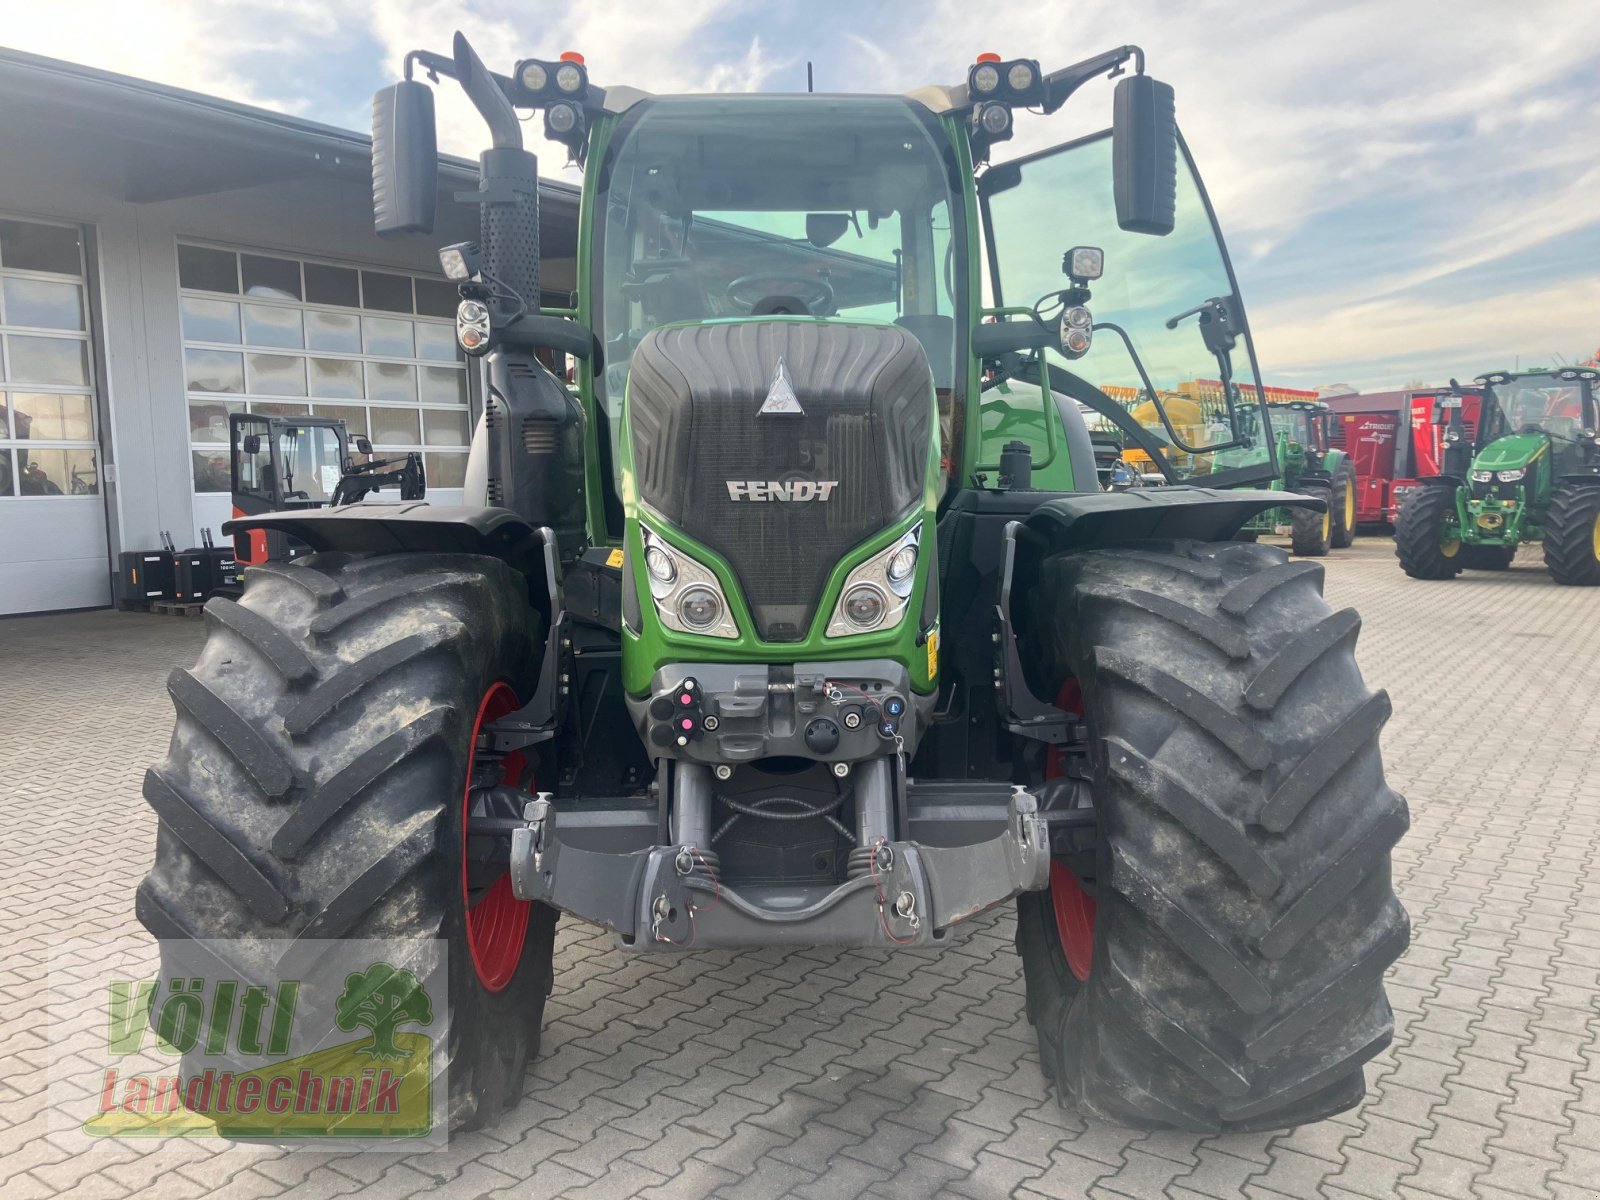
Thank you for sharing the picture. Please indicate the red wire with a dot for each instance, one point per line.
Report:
(716, 899)
(716, 884)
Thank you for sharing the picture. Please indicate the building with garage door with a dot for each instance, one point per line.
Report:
(168, 258)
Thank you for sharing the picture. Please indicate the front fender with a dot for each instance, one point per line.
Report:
(1096, 519)
(415, 526)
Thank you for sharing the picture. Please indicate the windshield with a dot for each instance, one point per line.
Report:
(1540, 404)
(311, 462)
(1042, 206)
(1298, 423)
(768, 205)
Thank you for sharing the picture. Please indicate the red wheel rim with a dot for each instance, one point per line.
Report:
(1074, 907)
(497, 924)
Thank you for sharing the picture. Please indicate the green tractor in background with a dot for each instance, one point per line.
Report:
(1311, 466)
(804, 618)
(1531, 473)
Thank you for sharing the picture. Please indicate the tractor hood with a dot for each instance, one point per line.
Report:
(1510, 452)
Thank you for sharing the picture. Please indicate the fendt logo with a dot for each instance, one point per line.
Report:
(774, 489)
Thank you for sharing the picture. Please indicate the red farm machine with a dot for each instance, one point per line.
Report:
(1393, 440)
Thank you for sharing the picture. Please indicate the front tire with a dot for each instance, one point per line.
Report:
(1427, 540)
(1572, 536)
(316, 784)
(1244, 913)
(1343, 533)
(1311, 533)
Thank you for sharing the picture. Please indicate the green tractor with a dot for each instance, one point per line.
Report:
(804, 619)
(1311, 467)
(1529, 473)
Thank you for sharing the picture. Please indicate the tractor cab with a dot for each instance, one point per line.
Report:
(1537, 408)
(1535, 428)
(282, 464)
(1305, 424)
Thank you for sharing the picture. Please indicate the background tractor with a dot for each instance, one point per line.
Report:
(1529, 472)
(1311, 466)
(278, 464)
(803, 618)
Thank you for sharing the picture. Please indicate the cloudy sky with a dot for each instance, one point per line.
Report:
(1410, 188)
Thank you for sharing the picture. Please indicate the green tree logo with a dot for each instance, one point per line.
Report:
(382, 998)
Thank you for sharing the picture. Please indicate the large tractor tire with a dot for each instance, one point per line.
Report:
(1240, 915)
(1572, 536)
(1426, 540)
(1311, 533)
(1342, 509)
(316, 786)
(1488, 558)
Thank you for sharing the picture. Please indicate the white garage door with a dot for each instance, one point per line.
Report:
(52, 514)
(267, 333)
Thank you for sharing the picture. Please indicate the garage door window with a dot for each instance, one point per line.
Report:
(277, 335)
(47, 440)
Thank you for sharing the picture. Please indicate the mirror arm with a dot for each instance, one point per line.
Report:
(1077, 388)
(537, 332)
(435, 65)
(1059, 85)
(991, 340)
(483, 88)
(1161, 409)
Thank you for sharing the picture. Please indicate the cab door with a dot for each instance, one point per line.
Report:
(1165, 310)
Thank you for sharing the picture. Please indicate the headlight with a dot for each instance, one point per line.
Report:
(685, 592)
(986, 78)
(878, 591)
(902, 564)
(461, 261)
(994, 118)
(1511, 476)
(568, 78)
(1020, 77)
(660, 565)
(1482, 476)
(864, 606)
(1075, 342)
(472, 327)
(533, 76)
(699, 607)
(562, 118)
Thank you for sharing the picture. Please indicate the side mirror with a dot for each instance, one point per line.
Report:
(1144, 156)
(363, 446)
(405, 159)
(252, 443)
(824, 229)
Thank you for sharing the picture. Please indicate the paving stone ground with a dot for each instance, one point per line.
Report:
(824, 1074)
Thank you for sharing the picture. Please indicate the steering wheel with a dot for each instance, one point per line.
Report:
(752, 291)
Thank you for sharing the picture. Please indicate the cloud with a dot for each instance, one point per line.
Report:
(1400, 338)
(190, 45)
(1369, 160)
(658, 48)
